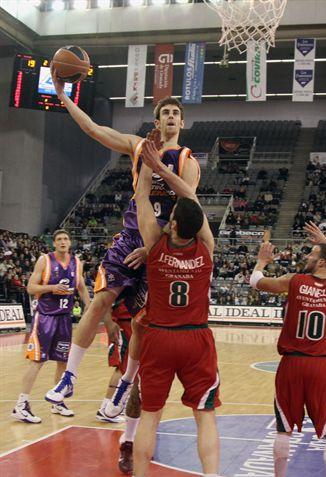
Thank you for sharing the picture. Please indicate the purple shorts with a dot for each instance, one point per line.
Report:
(113, 273)
(50, 337)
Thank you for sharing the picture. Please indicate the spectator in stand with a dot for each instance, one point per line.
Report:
(76, 312)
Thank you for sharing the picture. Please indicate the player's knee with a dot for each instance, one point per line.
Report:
(101, 303)
(282, 446)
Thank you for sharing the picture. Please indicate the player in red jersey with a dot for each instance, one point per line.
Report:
(301, 375)
(178, 340)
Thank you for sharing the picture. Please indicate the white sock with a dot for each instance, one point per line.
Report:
(22, 398)
(130, 428)
(104, 403)
(76, 354)
(131, 371)
(281, 454)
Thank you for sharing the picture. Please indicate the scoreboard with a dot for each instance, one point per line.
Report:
(32, 86)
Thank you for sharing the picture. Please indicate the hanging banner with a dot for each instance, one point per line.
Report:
(304, 69)
(136, 75)
(193, 74)
(163, 75)
(256, 71)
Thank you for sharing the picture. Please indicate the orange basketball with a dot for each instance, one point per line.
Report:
(71, 64)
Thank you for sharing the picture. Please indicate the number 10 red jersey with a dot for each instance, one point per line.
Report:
(304, 329)
(178, 283)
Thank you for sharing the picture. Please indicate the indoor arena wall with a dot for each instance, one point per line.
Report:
(21, 161)
(71, 161)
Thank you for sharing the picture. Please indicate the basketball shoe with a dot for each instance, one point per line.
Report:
(22, 412)
(116, 404)
(64, 389)
(62, 409)
(101, 416)
(125, 458)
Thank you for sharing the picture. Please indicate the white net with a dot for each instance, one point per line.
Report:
(244, 20)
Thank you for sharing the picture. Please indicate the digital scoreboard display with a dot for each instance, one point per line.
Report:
(32, 86)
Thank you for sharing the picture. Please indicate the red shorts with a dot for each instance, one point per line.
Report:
(301, 381)
(118, 354)
(191, 355)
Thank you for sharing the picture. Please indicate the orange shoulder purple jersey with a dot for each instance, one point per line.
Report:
(162, 197)
(55, 273)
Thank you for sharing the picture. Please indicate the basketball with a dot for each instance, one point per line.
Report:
(71, 63)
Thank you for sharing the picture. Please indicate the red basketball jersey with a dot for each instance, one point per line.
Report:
(304, 328)
(120, 312)
(178, 283)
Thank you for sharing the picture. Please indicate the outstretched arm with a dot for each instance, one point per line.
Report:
(110, 138)
(257, 279)
(315, 235)
(147, 223)
(182, 189)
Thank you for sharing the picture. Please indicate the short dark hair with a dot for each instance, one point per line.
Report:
(59, 232)
(164, 102)
(322, 253)
(189, 218)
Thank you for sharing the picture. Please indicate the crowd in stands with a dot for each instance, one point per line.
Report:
(18, 254)
(316, 175)
(96, 211)
(233, 263)
(261, 210)
(314, 208)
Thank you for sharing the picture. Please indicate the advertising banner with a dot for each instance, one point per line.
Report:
(246, 314)
(304, 69)
(136, 76)
(243, 234)
(256, 71)
(163, 75)
(193, 74)
(12, 316)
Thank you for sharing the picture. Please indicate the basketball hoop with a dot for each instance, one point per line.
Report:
(244, 20)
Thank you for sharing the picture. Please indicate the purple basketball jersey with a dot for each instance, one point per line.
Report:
(162, 197)
(55, 273)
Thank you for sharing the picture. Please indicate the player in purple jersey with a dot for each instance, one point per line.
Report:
(117, 270)
(54, 281)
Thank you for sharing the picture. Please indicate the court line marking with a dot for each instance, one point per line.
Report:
(253, 366)
(195, 435)
(91, 427)
(15, 449)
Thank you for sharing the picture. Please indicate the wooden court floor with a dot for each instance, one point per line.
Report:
(244, 390)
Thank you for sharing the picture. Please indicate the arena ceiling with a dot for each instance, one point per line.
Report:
(112, 49)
